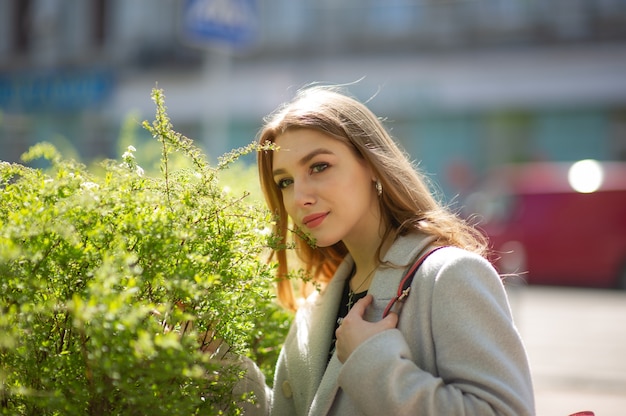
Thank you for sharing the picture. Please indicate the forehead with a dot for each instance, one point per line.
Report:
(296, 144)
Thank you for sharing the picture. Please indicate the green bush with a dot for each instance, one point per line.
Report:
(109, 282)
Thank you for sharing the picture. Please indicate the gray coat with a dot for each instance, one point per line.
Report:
(455, 350)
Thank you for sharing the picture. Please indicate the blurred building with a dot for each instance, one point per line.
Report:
(463, 84)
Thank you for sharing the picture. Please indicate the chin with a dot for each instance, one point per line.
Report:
(322, 243)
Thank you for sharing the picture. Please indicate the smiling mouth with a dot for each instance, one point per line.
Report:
(312, 221)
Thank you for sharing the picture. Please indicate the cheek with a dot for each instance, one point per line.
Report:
(362, 187)
(287, 198)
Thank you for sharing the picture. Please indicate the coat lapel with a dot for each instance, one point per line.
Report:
(320, 336)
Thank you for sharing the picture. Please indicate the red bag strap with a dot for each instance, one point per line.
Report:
(404, 288)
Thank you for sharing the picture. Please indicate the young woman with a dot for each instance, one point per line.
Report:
(361, 215)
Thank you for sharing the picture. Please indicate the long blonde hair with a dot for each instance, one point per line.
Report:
(407, 203)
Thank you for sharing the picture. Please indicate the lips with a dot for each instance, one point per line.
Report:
(313, 220)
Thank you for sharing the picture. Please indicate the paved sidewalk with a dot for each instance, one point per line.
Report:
(576, 342)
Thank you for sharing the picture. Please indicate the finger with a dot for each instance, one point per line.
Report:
(361, 305)
(391, 320)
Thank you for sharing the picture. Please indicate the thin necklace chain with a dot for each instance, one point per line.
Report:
(351, 292)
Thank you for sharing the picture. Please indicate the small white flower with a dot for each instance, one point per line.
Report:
(89, 185)
(264, 231)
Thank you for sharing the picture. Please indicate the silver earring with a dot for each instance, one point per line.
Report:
(379, 187)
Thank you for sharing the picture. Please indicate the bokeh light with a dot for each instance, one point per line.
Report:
(586, 176)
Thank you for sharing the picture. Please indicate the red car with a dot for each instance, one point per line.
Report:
(556, 223)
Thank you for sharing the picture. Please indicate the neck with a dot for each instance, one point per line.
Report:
(365, 264)
(364, 245)
(366, 261)
(360, 282)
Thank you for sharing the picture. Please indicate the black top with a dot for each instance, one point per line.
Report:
(343, 311)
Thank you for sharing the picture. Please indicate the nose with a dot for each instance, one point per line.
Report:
(303, 193)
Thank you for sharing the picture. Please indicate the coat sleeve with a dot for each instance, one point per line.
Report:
(482, 368)
(266, 401)
(253, 382)
(283, 401)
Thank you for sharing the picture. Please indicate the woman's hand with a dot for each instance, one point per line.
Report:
(354, 330)
(216, 347)
(208, 341)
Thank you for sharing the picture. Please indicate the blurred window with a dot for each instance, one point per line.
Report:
(391, 16)
(99, 22)
(21, 38)
(572, 135)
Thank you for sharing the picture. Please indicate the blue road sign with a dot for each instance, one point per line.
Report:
(225, 22)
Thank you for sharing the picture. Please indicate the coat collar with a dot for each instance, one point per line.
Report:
(400, 256)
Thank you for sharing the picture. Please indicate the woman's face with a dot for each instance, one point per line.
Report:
(327, 190)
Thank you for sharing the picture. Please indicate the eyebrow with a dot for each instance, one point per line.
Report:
(306, 159)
